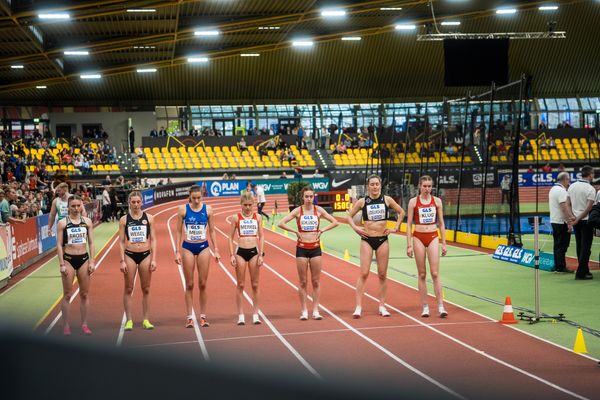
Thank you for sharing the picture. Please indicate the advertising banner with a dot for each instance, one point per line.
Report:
(539, 179)
(147, 198)
(525, 257)
(224, 188)
(6, 265)
(24, 241)
(46, 242)
(280, 186)
(164, 194)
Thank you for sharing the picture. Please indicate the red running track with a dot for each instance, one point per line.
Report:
(463, 356)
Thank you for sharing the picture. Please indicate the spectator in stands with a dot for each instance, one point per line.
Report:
(505, 186)
(114, 201)
(582, 195)
(262, 152)
(121, 181)
(547, 168)
(303, 145)
(225, 177)
(551, 143)
(233, 177)
(450, 150)
(107, 181)
(5, 211)
(283, 175)
(298, 173)
(242, 145)
(526, 148)
(162, 131)
(271, 144)
(530, 169)
(385, 153)
(340, 149)
(282, 155)
(317, 174)
(561, 167)
(542, 126)
(291, 156)
(153, 133)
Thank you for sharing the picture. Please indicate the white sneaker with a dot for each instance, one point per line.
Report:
(425, 312)
(357, 312)
(256, 319)
(383, 311)
(241, 320)
(316, 315)
(442, 311)
(304, 315)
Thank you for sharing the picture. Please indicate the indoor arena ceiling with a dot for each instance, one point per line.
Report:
(386, 65)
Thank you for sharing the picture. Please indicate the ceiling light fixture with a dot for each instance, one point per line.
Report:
(249, 55)
(141, 10)
(391, 8)
(17, 66)
(41, 87)
(333, 13)
(62, 16)
(197, 59)
(303, 43)
(76, 52)
(268, 28)
(548, 8)
(91, 76)
(145, 70)
(506, 11)
(351, 38)
(207, 33)
(405, 27)
(451, 23)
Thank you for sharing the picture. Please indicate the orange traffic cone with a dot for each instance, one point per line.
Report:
(508, 316)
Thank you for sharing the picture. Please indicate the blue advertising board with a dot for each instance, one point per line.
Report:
(46, 242)
(147, 198)
(538, 179)
(525, 257)
(270, 186)
(224, 188)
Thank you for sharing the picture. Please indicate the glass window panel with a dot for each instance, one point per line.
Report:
(595, 101)
(553, 120)
(562, 104)
(551, 103)
(541, 104)
(585, 103)
(573, 105)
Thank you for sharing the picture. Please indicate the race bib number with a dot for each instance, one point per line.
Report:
(248, 227)
(76, 235)
(137, 233)
(427, 215)
(309, 223)
(196, 233)
(375, 212)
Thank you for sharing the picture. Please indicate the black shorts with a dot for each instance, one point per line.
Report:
(375, 241)
(76, 260)
(308, 253)
(136, 256)
(247, 254)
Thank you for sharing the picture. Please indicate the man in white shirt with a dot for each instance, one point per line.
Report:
(260, 199)
(582, 195)
(105, 204)
(561, 218)
(505, 186)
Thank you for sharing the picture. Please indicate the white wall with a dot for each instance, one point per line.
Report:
(115, 124)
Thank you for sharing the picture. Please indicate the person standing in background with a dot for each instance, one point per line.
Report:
(582, 195)
(561, 217)
(505, 186)
(131, 140)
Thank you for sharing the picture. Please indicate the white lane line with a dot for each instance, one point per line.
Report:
(302, 333)
(180, 269)
(124, 319)
(279, 336)
(458, 341)
(98, 264)
(366, 338)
